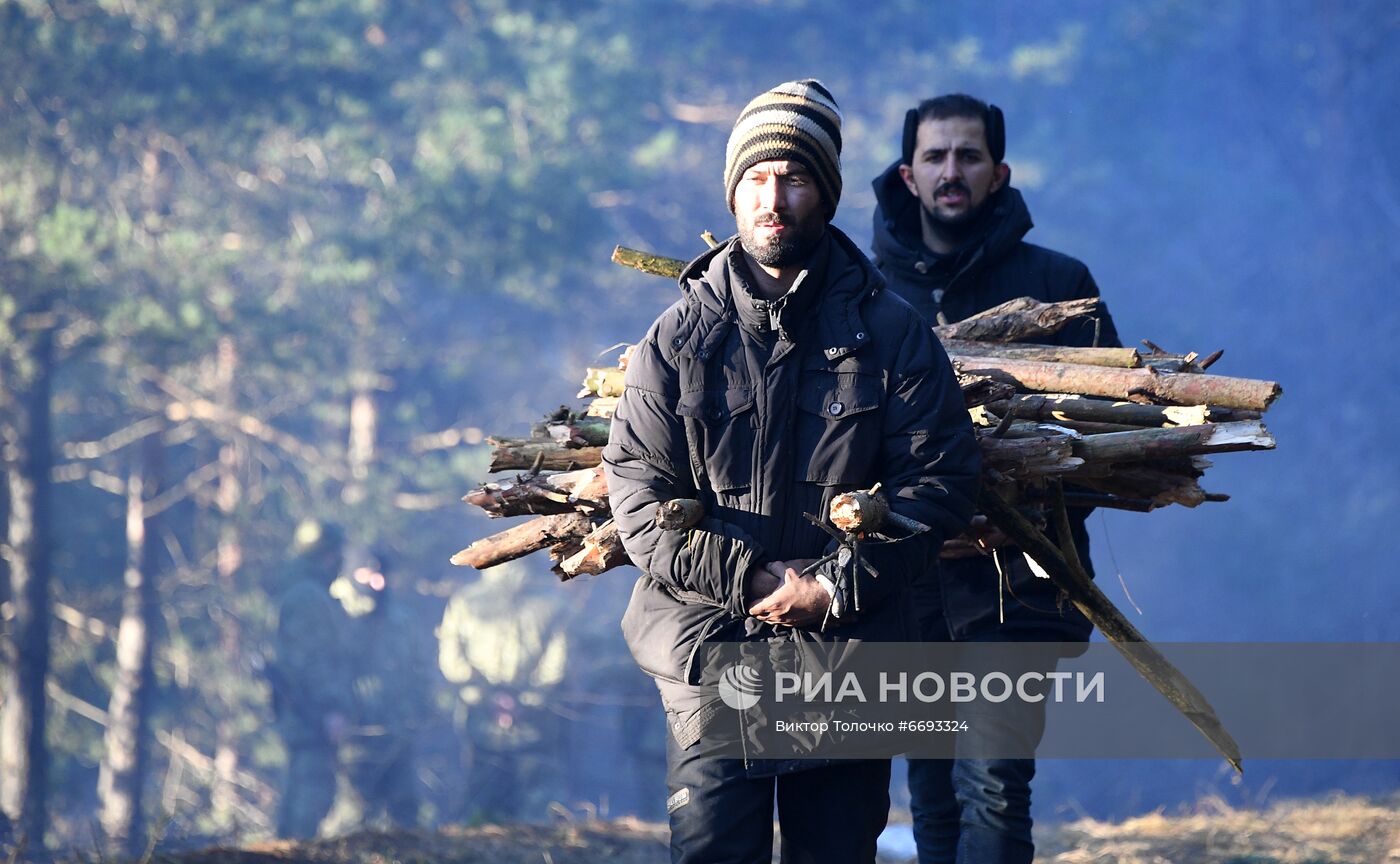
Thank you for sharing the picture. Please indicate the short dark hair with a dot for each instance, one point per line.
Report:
(957, 105)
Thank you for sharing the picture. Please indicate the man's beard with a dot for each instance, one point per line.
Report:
(788, 248)
(961, 226)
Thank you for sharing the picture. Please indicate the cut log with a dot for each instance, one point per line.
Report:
(589, 432)
(583, 491)
(1145, 384)
(983, 389)
(1059, 408)
(1159, 487)
(526, 454)
(1066, 571)
(602, 551)
(1019, 320)
(656, 265)
(1041, 455)
(603, 407)
(1029, 451)
(1125, 358)
(1144, 444)
(679, 514)
(1112, 502)
(858, 511)
(520, 540)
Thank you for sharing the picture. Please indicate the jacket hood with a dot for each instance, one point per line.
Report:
(898, 234)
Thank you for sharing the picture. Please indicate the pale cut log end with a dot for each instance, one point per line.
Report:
(603, 407)
(482, 498)
(679, 514)
(858, 511)
(1243, 435)
(1186, 415)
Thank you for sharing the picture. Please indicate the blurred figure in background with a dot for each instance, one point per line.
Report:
(389, 655)
(503, 641)
(310, 680)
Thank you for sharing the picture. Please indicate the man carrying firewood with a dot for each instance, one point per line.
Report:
(784, 376)
(948, 238)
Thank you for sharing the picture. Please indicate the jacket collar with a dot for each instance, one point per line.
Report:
(834, 289)
(788, 313)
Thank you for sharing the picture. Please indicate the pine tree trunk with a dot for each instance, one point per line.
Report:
(25, 422)
(223, 796)
(126, 743)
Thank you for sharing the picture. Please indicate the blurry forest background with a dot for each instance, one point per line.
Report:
(263, 262)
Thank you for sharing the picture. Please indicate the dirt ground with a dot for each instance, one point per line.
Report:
(1331, 831)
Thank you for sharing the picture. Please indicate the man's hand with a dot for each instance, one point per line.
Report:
(797, 601)
(760, 583)
(979, 539)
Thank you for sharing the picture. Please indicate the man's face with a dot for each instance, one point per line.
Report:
(778, 208)
(953, 174)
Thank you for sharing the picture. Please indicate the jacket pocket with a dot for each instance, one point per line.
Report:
(838, 426)
(662, 631)
(726, 420)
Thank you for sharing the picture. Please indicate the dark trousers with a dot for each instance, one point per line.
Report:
(976, 808)
(310, 789)
(972, 810)
(719, 815)
(382, 772)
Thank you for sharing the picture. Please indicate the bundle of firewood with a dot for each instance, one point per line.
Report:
(1106, 427)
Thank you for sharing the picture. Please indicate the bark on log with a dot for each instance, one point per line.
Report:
(1172, 388)
(983, 389)
(1064, 568)
(656, 265)
(1032, 453)
(520, 540)
(580, 433)
(1124, 358)
(1086, 427)
(1019, 320)
(1061, 407)
(1160, 487)
(1047, 454)
(602, 551)
(1182, 440)
(584, 491)
(524, 454)
(858, 511)
(1112, 502)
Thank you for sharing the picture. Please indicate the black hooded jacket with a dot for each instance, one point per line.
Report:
(994, 266)
(764, 416)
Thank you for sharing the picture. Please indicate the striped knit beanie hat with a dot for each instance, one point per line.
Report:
(798, 120)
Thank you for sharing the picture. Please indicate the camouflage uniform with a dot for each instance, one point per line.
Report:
(311, 692)
(503, 641)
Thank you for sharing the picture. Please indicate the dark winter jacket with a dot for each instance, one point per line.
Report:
(995, 265)
(835, 387)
